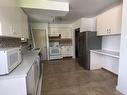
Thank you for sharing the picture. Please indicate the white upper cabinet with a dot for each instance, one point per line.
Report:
(24, 25)
(85, 24)
(54, 31)
(11, 19)
(66, 32)
(109, 23)
(88, 24)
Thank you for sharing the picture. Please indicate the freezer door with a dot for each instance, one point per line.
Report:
(82, 49)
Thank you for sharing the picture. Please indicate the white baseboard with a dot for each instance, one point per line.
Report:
(124, 92)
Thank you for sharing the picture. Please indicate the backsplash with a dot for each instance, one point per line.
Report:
(6, 42)
(111, 43)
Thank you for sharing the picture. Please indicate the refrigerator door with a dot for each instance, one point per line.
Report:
(82, 49)
(93, 42)
(88, 41)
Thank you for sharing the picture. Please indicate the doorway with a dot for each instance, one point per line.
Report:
(77, 33)
(40, 41)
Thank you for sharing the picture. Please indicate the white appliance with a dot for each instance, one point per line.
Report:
(37, 71)
(9, 59)
(55, 51)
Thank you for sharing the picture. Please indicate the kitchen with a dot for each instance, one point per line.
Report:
(33, 35)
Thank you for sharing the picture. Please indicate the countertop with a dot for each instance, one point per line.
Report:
(22, 69)
(107, 52)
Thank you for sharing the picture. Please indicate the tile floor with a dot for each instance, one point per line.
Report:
(66, 77)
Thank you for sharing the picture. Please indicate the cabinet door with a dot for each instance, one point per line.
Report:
(25, 32)
(53, 30)
(17, 23)
(66, 33)
(101, 25)
(33, 78)
(63, 51)
(88, 24)
(6, 16)
(109, 22)
(36, 73)
(111, 64)
(69, 50)
(66, 51)
(10, 19)
(116, 20)
(31, 90)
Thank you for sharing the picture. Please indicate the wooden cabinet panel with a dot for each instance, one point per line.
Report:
(109, 23)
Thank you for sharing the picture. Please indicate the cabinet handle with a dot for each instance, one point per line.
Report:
(108, 30)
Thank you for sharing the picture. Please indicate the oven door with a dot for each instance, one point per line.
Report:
(54, 51)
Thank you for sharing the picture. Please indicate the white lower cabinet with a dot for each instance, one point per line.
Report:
(95, 61)
(23, 84)
(30, 82)
(111, 64)
(33, 77)
(66, 51)
(106, 61)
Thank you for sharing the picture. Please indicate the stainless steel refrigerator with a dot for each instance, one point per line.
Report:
(87, 41)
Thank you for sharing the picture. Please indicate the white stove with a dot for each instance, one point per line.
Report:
(55, 51)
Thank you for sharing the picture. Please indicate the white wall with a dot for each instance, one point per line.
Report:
(111, 43)
(43, 26)
(122, 76)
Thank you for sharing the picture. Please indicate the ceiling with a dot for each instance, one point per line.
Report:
(78, 9)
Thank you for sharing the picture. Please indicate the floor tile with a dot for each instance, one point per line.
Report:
(67, 77)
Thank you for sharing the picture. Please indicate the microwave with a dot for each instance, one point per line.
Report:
(10, 58)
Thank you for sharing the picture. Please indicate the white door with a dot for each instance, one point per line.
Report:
(40, 41)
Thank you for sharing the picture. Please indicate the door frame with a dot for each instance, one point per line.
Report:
(47, 41)
(76, 31)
